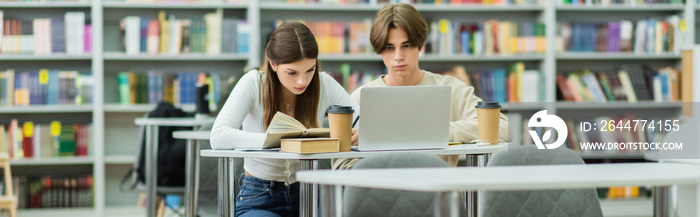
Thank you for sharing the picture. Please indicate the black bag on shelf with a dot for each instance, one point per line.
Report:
(171, 152)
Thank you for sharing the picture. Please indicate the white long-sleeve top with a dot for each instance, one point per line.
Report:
(244, 108)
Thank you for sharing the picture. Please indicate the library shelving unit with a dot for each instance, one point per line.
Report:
(120, 152)
(114, 132)
(84, 62)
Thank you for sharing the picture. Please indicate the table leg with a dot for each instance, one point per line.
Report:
(330, 201)
(438, 204)
(326, 201)
(447, 204)
(485, 161)
(197, 158)
(225, 205)
(338, 201)
(688, 200)
(472, 196)
(308, 197)
(661, 201)
(192, 178)
(151, 170)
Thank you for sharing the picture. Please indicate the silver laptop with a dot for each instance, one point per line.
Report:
(414, 117)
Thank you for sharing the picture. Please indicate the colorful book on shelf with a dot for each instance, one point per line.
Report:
(54, 191)
(605, 85)
(164, 25)
(309, 145)
(213, 26)
(283, 126)
(152, 37)
(132, 31)
(593, 86)
(175, 35)
(655, 36)
(66, 146)
(564, 88)
(75, 27)
(4, 140)
(28, 139)
(636, 74)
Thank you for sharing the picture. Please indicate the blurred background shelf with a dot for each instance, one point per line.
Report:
(76, 160)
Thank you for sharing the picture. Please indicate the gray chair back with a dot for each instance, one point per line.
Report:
(368, 202)
(539, 203)
(208, 185)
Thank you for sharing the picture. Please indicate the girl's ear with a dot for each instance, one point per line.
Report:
(272, 65)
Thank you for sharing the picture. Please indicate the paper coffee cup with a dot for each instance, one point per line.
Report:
(340, 124)
(488, 116)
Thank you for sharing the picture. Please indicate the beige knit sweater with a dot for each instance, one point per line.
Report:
(463, 123)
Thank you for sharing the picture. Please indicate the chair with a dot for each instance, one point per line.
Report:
(380, 202)
(208, 186)
(539, 203)
(8, 200)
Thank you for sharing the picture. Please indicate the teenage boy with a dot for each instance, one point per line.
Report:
(398, 34)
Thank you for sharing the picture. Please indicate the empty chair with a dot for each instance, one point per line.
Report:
(367, 202)
(538, 203)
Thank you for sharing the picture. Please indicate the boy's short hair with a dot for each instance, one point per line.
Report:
(402, 16)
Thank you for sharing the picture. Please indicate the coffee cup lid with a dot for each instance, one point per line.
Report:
(340, 109)
(487, 105)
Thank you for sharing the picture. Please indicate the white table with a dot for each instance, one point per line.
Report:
(444, 181)
(192, 161)
(307, 206)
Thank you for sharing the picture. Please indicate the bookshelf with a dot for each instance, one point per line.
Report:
(616, 56)
(76, 160)
(173, 5)
(617, 105)
(618, 8)
(32, 57)
(114, 140)
(18, 4)
(120, 159)
(47, 109)
(181, 57)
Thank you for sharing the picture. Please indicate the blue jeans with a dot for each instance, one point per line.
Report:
(262, 198)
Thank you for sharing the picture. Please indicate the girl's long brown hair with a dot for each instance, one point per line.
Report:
(290, 42)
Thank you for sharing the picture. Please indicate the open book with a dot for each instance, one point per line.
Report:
(284, 126)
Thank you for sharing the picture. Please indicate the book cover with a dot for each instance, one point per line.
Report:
(152, 40)
(164, 24)
(28, 139)
(530, 81)
(310, 145)
(616, 87)
(67, 141)
(175, 35)
(242, 36)
(564, 88)
(213, 33)
(46, 142)
(87, 38)
(132, 30)
(626, 84)
(143, 36)
(605, 84)
(3, 140)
